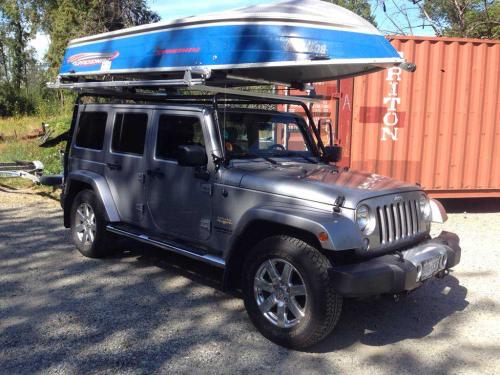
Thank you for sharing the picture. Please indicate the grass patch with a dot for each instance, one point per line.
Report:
(16, 147)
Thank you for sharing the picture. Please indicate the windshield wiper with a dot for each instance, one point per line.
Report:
(307, 158)
(252, 155)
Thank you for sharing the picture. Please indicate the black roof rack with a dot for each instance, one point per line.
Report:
(194, 79)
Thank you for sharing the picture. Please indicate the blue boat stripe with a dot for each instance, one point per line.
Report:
(224, 45)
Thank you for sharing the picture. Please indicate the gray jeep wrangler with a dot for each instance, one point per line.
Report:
(253, 191)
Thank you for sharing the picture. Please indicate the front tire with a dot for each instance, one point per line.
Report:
(88, 225)
(288, 292)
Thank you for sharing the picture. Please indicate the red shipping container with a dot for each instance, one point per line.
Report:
(438, 127)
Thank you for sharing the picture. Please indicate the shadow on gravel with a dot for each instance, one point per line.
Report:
(475, 205)
(383, 321)
(29, 191)
(143, 311)
(153, 311)
(148, 256)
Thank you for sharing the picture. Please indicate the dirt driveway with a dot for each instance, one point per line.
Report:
(147, 311)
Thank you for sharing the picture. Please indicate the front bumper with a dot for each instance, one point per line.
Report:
(394, 274)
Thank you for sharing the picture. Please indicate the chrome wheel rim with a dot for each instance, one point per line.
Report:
(85, 224)
(280, 293)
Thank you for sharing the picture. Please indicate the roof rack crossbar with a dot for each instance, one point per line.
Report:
(231, 98)
(274, 97)
(230, 93)
(188, 81)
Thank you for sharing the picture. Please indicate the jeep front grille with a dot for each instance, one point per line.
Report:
(397, 221)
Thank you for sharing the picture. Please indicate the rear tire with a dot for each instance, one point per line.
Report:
(298, 307)
(88, 225)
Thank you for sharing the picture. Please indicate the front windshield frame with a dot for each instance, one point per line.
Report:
(298, 121)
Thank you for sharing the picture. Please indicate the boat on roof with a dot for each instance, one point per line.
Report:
(291, 41)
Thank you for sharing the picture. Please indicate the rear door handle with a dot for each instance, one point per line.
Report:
(155, 173)
(114, 166)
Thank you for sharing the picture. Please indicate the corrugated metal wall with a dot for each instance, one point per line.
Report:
(438, 126)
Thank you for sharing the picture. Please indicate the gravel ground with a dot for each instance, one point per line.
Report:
(146, 311)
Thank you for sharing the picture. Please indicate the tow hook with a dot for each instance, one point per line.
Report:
(398, 296)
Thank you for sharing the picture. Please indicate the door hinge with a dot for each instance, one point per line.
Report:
(207, 188)
(206, 224)
(141, 177)
(140, 207)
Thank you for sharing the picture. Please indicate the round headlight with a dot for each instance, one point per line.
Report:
(364, 219)
(425, 207)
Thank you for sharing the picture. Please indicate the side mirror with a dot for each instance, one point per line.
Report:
(333, 153)
(192, 156)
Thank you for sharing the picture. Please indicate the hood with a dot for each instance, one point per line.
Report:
(319, 183)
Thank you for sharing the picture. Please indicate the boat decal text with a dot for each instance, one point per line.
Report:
(93, 58)
(173, 51)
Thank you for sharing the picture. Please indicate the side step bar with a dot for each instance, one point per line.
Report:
(210, 259)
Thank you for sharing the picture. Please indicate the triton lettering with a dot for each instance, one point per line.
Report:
(390, 118)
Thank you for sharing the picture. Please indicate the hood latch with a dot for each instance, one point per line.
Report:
(338, 203)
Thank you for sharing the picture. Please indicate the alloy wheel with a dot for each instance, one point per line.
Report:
(280, 293)
(85, 224)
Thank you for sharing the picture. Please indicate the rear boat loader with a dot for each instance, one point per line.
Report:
(213, 173)
(29, 170)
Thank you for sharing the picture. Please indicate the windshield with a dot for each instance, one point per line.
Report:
(261, 134)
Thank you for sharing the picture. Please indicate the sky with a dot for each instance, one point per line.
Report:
(171, 9)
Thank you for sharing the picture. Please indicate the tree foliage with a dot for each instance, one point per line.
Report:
(22, 77)
(464, 18)
(18, 23)
(68, 19)
(457, 18)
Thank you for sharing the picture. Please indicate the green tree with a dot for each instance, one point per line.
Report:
(463, 18)
(360, 7)
(22, 77)
(69, 19)
(18, 24)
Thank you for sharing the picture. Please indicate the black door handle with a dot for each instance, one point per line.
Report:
(155, 173)
(114, 166)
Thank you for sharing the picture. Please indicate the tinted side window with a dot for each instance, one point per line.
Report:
(129, 133)
(91, 128)
(174, 131)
